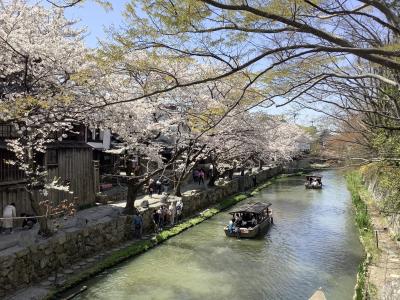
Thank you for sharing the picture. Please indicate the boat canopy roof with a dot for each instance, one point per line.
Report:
(254, 208)
(313, 176)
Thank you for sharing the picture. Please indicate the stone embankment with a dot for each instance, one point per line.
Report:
(384, 269)
(371, 180)
(26, 259)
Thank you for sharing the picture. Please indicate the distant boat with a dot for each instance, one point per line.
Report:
(313, 182)
(252, 220)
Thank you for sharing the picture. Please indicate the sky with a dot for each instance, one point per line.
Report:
(96, 19)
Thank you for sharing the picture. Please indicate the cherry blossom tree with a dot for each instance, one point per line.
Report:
(194, 120)
(40, 52)
(251, 138)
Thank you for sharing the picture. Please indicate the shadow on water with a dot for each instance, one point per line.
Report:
(313, 243)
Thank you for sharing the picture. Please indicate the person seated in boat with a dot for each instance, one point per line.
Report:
(254, 221)
(258, 218)
(314, 183)
(238, 219)
(231, 226)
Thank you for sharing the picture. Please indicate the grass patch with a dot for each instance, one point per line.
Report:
(301, 173)
(144, 245)
(360, 196)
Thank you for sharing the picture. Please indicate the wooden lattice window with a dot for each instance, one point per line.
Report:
(52, 157)
(5, 131)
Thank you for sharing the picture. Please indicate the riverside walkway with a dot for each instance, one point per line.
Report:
(22, 239)
(384, 272)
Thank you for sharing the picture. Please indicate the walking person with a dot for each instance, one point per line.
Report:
(210, 171)
(196, 175)
(155, 217)
(151, 187)
(172, 213)
(158, 186)
(160, 218)
(164, 215)
(201, 176)
(138, 225)
(9, 213)
(179, 207)
(165, 183)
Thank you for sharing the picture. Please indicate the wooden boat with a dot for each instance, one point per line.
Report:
(259, 212)
(313, 182)
(318, 295)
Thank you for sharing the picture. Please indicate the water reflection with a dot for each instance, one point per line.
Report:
(312, 244)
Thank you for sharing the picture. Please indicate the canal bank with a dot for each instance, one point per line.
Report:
(312, 244)
(86, 244)
(138, 247)
(379, 274)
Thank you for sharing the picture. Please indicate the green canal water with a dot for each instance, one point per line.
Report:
(313, 243)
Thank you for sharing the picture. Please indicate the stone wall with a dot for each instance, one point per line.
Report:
(31, 259)
(371, 180)
(22, 265)
(198, 200)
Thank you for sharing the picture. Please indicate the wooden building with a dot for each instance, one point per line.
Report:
(70, 160)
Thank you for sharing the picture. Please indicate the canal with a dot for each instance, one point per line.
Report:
(313, 243)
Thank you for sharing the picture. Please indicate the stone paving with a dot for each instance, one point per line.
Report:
(21, 238)
(95, 215)
(384, 273)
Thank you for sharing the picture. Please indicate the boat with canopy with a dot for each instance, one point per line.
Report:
(249, 220)
(313, 182)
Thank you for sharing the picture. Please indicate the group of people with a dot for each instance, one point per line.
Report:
(158, 186)
(242, 220)
(315, 182)
(10, 214)
(199, 175)
(167, 215)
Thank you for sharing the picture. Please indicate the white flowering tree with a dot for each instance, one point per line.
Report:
(208, 119)
(251, 139)
(40, 52)
(147, 125)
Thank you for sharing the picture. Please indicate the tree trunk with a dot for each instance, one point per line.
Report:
(133, 189)
(129, 168)
(180, 180)
(177, 191)
(44, 229)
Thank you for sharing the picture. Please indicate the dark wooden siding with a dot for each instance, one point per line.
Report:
(8, 172)
(74, 165)
(15, 193)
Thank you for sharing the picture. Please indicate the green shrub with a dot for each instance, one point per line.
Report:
(363, 220)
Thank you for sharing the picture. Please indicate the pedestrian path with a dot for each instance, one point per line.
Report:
(94, 215)
(384, 272)
(22, 238)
